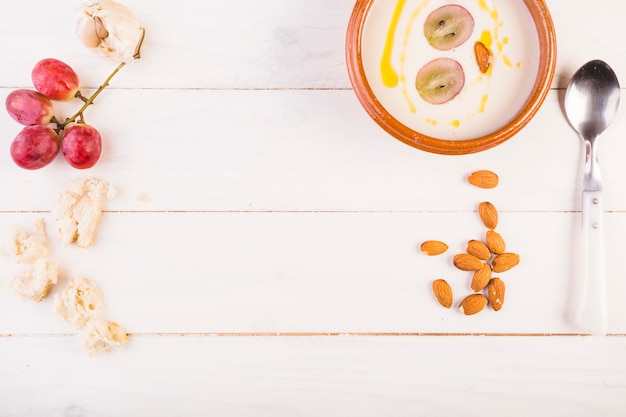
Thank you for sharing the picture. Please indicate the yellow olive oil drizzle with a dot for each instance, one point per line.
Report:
(387, 71)
(405, 43)
(483, 103)
(486, 36)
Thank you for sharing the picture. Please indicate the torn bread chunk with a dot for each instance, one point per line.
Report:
(32, 273)
(23, 247)
(79, 302)
(100, 336)
(78, 211)
(35, 280)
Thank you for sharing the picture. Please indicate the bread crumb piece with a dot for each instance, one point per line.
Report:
(32, 273)
(145, 197)
(35, 280)
(40, 228)
(78, 211)
(78, 302)
(23, 247)
(100, 336)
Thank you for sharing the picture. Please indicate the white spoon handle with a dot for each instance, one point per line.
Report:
(592, 314)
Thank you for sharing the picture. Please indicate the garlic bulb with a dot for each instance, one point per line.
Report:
(111, 29)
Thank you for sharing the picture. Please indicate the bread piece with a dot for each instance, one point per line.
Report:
(63, 212)
(32, 273)
(40, 228)
(23, 247)
(35, 280)
(78, 212)
(79, 302)
(100, 336)
(95, 189)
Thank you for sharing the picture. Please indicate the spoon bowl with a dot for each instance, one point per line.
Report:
(591, 103)
(592, 99)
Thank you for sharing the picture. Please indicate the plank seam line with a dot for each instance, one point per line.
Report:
(316, 334)
(165, 211)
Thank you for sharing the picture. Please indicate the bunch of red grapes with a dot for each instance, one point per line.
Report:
(44, 136)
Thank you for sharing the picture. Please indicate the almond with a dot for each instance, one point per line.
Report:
(488, 214)
(483, 179)
(467, 262)
(495, 242)
(504, 262)
(483, 56)
(495, 292)
(478, 249)
(481, 278)
(442, 292)
(433, 247)
(473, 304)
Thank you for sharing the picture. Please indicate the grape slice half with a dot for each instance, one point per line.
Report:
(448, 27)
(440, 80)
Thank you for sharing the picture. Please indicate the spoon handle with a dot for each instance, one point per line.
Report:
(592, 314)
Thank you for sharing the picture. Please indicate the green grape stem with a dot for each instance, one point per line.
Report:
(78, 116)
(89, 101)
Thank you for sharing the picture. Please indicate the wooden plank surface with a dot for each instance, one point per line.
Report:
(292, 151)
(262, 248)
(319, 272)
(313, 376)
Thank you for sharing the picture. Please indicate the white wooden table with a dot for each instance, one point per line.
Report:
(262, 248)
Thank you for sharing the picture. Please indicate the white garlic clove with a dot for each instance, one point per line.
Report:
(119, 35)
(87, 32)
(102, 32)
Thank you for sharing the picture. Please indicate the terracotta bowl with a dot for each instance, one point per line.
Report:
(364, 42)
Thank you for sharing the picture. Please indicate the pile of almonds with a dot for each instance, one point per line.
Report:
(482, 258)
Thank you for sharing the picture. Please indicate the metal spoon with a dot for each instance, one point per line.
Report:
(591, 101)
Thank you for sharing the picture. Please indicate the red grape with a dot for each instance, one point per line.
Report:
(29, 107)
(55, 79)
(81, 145)
(35, 147)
